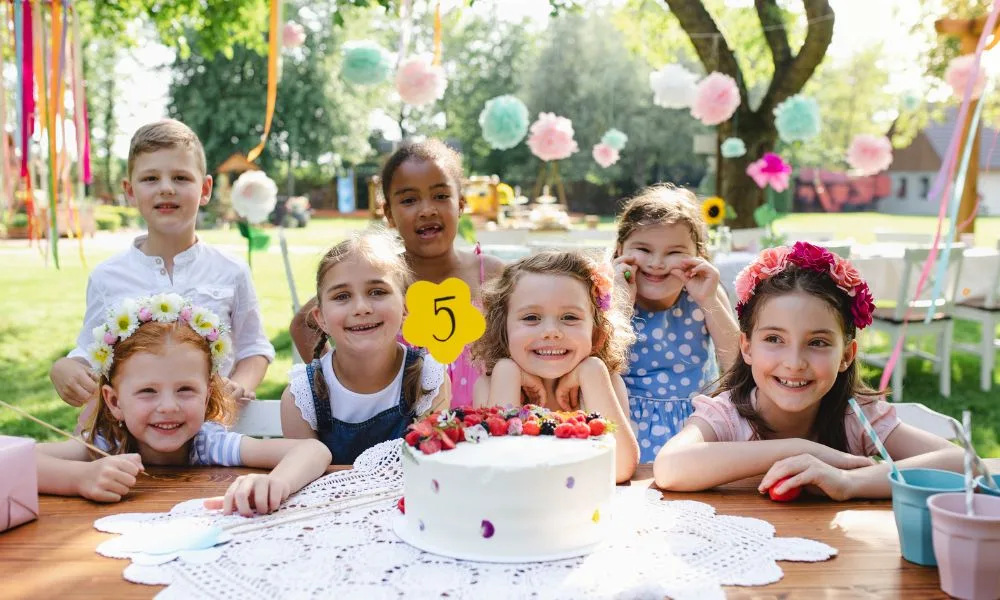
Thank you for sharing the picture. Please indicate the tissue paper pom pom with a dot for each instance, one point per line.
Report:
(733, 148)
(419, 81)
(293, 35)
(960, 69)
(673, 86)
(504, 122)
(605, 155)
(365, 63)
(797, 119)
(552, 137)
(869, 154)
(614, 138)
(770, 170)
(254, 196)
(911, 102)
(716, 98)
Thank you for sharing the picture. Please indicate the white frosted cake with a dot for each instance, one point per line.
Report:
(517, 498)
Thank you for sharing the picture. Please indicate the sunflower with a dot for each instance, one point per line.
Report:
(713, 210)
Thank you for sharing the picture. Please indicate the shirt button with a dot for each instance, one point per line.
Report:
(163, 271)
(159, 261)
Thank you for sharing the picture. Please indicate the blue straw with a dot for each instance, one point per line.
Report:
(875, 439)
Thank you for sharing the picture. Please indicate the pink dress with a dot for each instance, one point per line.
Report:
(729, 426)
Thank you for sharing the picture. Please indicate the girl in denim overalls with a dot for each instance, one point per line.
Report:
(370, 387)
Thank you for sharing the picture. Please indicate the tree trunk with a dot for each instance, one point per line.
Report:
(738, 189)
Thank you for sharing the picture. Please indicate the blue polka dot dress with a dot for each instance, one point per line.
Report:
(672, 360)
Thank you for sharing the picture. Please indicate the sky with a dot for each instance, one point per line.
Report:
(858, 23)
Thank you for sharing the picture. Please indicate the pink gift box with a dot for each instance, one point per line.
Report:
(18, 482)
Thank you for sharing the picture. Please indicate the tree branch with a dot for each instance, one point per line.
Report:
(774, 30)
(712, 48)
(789, 79)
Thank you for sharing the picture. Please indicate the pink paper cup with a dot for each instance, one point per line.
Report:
(967, 547)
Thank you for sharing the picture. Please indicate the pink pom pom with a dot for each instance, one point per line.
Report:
(605, 155)
(185, 314)
(770, 170)
(212, 335)
(715, 99)
(960, 70)
(110, 338)
(551, 137)
(420, 82)
(145, 315)
(869, 154)
(293, 35)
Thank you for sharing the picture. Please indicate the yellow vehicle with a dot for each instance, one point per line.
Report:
(484, 196)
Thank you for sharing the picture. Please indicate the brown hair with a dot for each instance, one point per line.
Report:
(613, 332)
(828, 428)
(153, 337)
(430, 150)
(165, 134)
(663, 204)
(379, 248)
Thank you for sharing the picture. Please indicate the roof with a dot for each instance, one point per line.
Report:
(939, 135)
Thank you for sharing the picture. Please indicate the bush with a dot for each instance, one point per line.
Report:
(108, 222)
(127, 216)
(19, 220)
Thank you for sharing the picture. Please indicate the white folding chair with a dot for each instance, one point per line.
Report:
(841, 249)
(986, 312)
(919, 416)
(911, 313)
(260, 418)
(815, 237)
(899, 237)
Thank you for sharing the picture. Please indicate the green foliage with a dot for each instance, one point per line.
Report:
(108, 222)
(18, 220)
(127, 216)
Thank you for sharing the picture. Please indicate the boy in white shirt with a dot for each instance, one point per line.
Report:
(168, 182)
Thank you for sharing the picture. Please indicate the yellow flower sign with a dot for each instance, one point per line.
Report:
(713, 210)
(441, 318)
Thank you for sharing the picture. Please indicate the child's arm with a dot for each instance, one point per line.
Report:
(66, 469)
(292, 424)
(443, 399)
(505, 384)
(693, 460)
(246, 376)
(481, 392)
(701, 280)
(75, 383)
(295, 463)
(910, 448)
(253, 351)
(303, 334)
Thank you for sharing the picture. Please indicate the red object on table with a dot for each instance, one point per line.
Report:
(788, 496)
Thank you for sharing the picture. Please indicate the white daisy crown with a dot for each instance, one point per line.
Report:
(124, 320)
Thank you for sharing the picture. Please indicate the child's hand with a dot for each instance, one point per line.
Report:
(110, 478)
(75, 383)
(568, 387)
(235, 390)
(626, 271)
(839, 460)
(532, 387)
(700, 277)
(255, 493)
(807, 470)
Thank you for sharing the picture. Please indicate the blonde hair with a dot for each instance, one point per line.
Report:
(663, 204)
(152, 337)
(378, 247)
(165, 134)
(613, 334)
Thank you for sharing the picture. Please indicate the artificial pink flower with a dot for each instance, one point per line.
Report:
(419, 81)
(185, 314)
(869, 154)
(960, 70)
(770, 261)
(145, 315)
(810, 256)
(846, 276)
(110, 338)
(770, 170)
(863, 306)
(212, 335)
(716, 98)
(551, 137)
(605, 155)
(293, 35)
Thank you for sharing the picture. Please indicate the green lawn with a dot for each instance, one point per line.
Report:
(41, 311)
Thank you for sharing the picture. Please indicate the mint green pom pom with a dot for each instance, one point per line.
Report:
(733, 148)
(365, 63)
(504, 122)
(797, 119)
(614, 138)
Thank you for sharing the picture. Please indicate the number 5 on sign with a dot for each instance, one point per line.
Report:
(441, 318)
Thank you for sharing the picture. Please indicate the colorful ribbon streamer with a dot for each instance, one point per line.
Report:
(272, 77)
(437, 34)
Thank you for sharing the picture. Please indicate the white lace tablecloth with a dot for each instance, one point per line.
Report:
(680, 549)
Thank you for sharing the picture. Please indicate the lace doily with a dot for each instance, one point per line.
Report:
(657, 548)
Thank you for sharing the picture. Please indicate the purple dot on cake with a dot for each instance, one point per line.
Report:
(487, 529)
(434, 485)
(570, 482)
(420, 524)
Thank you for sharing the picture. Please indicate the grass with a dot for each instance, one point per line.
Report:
(42, 308)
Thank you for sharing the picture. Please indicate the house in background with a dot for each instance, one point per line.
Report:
(913, 170)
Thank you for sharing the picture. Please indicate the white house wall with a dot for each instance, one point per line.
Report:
(909, 190)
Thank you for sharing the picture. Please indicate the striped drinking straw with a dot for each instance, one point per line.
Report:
(970, 487)
(875, 439)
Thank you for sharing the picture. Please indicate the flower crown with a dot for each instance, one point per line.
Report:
(602, 284)
(807, 256)
(123, 321)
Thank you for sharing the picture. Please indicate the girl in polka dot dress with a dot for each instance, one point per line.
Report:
(683, 321)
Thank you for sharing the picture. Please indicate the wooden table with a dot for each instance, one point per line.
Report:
(54, 556)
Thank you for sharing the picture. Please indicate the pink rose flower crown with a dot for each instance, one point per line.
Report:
(815, 258)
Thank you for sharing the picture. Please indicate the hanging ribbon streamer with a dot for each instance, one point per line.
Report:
(989, 157)
(404, 30)
(272, 77)
(6, 175)
(437, 34)
(53, 116)
(23, 40)
(80, 105)
(942, 184)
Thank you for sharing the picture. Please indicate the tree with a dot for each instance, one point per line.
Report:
(789, 71)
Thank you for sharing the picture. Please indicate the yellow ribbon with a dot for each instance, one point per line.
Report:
(437, 34)
(272, 78)
(41, 106)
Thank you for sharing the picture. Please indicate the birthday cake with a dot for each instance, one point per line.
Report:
(507, 485)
